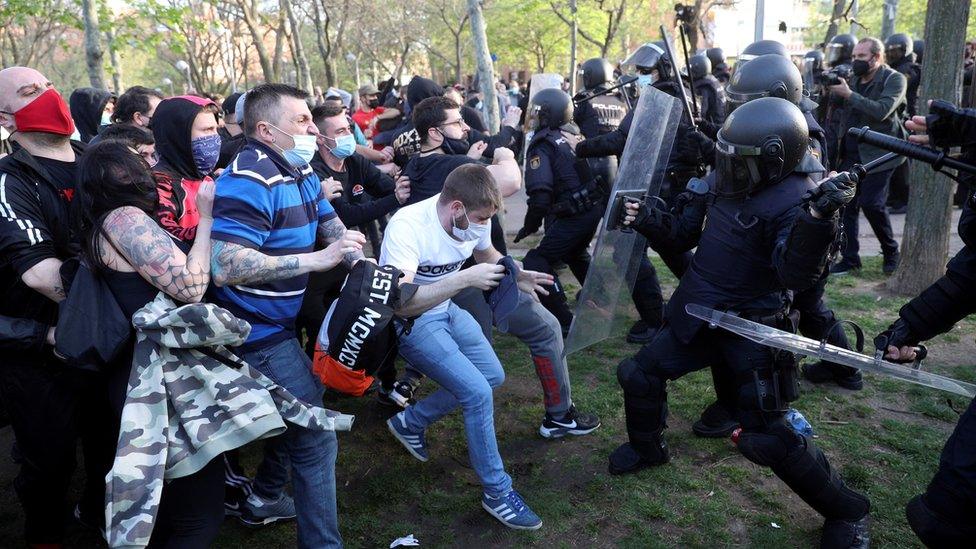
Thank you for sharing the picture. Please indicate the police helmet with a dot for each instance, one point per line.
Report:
(840, 49)
(765, 76)
(550, 108)
(595, 72)
(815, 59)
(762, 47)
(897, 47)
(716, 56)
(759, 145)
(699, 66)
(648, 57)
(918, 46)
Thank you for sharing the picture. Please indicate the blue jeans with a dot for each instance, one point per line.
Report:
(310, 454)
(450, 348)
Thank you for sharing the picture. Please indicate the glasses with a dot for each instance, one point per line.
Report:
(459, 123)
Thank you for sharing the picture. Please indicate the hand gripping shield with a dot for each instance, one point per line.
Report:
(778, 339)
(543, 81)
(605, 307)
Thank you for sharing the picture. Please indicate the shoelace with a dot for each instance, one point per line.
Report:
(515, 502)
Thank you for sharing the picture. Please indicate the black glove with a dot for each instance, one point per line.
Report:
(695, 147)
(643, 211)
(899, 335)
(533, 220)
(950, 126)
(833, 194)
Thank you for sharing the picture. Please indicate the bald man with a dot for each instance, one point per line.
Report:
(50, 405)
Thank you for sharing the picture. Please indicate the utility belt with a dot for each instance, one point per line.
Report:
(580, 201)
(777, 382)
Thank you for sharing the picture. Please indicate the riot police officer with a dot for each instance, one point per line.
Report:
(598, 112)
(720, 69)
(757, 208)
(708, 88)
(776, 76)
(840, 51)
(563, 193)
(760, 47)
(900, 56)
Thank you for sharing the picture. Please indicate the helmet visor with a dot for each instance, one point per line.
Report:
(834, 53)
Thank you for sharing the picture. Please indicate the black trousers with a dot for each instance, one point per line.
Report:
(191, 509)
(872, 193)
(952, 492)
(51, 407)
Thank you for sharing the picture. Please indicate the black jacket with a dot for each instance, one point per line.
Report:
(87, 105)
(367, 193)
(35, 227)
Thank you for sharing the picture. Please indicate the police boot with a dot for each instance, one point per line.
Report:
(845, 534)
(826, 372)
(633, 456)
(716, 421)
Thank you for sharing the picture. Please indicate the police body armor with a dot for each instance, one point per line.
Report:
(599, 116)
(712, 96)
(678, 173)
(732, 268)
(566, 200)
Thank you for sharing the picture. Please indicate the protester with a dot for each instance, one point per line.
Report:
(370, 110)
(429, 241)
(874, 98)
(229, 147)
(50, 404)
(140, 139)
(269, 211)
(230, 127)
(121, 238)
(91, 109)
(188, 146)
(136, 106)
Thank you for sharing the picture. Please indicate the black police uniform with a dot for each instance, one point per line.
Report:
(712, 98)
(561, 189)
(600, 116)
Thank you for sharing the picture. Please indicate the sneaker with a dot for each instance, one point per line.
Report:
(641, 333)
(511, 511)
(258, 512)
(890, 262)
(572, 423)
(825, 372)
(844, 266)
(234, 500)
(846, 534)
(400, 396)
(715, 422)
(415, 443)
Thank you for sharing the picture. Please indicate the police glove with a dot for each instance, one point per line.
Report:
(643, 211)
(533, 220)
(833, 194)
(899, 335)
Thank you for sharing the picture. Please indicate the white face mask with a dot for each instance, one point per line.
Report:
(475, 231)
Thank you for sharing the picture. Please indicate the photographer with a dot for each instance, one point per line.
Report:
(872, 98)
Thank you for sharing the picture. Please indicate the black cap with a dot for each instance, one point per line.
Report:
(230, 103)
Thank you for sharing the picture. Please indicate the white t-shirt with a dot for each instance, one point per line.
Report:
(415, 241)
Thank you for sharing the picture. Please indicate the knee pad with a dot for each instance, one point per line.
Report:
(636, 381)
(768, 447)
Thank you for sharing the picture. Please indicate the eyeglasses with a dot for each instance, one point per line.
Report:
(459, 123)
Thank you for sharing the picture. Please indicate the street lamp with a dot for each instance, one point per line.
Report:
(184, 67)
(352, 58)
(169, 82)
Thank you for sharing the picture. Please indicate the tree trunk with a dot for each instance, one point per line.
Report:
(249, 11)
(458, 71)
(330, 78)
(280, 37)
(926, 243)
(93, 46)
(113, 57)
(301, 60)
(889, 11)
(485, 67)
(839, 6)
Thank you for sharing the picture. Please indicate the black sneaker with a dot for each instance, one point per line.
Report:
(846, 534)
(626, 459)
(890, 262)
(573, 423)
(641, 333)
(269, 512)
(844, 266)
(826, 372)
(716, 421)
(400, 397)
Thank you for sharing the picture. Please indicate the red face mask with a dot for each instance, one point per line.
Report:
(48, 113)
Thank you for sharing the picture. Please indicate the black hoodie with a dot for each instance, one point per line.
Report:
(177, 176)
(87, 105)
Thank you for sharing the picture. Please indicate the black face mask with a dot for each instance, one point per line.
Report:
(373, 103)
(454, 146)
(860, 67)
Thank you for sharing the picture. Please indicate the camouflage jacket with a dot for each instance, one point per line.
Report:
(189, 400)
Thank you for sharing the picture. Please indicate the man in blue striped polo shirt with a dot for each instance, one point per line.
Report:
(269, 213)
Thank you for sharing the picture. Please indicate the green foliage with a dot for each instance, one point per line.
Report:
(910, 19)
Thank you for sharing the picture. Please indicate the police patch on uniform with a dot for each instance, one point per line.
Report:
(535, 162)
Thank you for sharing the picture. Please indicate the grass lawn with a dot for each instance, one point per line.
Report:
(884, 440)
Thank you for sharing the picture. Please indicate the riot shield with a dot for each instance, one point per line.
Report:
(779, 339)
(542, 81)
(605, 307)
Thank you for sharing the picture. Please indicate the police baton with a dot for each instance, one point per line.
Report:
(681, 88)
(933, 157)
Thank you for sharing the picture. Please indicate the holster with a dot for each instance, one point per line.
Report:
(579, 201)
(777, 384)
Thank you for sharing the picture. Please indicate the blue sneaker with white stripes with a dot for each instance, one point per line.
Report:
(415, 443)
(512, 511)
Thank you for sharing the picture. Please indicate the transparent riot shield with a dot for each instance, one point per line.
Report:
(779, 339)
(542, 81)
(605, 307)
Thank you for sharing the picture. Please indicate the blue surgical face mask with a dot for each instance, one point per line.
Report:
(345, 146)
(206, 151)
(645, 80)
(304, 150)
(106, 118)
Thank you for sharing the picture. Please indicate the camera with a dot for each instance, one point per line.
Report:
(834, 76)
(685, 14)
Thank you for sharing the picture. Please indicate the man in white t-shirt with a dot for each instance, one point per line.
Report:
(429, 241)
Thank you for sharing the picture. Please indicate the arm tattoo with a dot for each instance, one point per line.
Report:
(153, 254)
(235, 264)
(331, 231)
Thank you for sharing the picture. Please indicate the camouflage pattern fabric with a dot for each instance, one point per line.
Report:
(189, 400)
